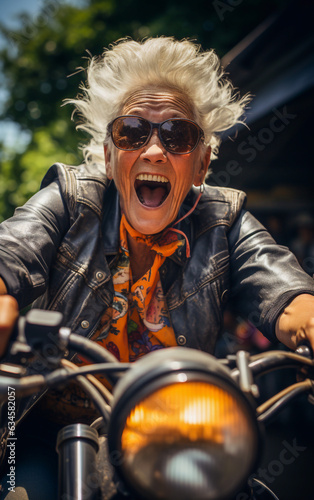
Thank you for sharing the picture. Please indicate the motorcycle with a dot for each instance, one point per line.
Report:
(178, 423)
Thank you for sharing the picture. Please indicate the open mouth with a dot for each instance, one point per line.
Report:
(152, 190)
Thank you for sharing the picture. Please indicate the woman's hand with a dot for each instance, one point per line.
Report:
(9, 313)
(296, 324)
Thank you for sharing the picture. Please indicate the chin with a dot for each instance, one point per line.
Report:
(149, 228)
(148, 225)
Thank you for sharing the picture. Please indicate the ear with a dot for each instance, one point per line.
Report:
(108, 162)
(201, 172)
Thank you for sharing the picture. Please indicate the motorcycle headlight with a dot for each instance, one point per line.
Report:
(182, 429)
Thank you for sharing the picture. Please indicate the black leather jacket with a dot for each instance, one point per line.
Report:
(59, 247)
(57, 251)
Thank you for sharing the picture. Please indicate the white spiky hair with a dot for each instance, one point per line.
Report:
(160, 62)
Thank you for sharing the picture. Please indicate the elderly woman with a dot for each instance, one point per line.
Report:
(132, 247)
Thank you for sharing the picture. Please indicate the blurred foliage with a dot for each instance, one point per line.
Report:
(39, 57)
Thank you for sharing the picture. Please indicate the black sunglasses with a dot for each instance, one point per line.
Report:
(178, 135)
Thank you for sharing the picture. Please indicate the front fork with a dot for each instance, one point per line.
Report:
(77, 446)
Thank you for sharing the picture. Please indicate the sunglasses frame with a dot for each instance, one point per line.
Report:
(157, 126)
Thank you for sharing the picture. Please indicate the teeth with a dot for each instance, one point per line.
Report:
(149, 177)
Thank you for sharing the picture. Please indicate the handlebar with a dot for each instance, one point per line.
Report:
(40, 345)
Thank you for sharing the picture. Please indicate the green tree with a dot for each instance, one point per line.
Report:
(39, 57)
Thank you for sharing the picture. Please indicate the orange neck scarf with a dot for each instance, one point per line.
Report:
(138, 320)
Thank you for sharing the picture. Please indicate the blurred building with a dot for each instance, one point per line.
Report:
(272, 160)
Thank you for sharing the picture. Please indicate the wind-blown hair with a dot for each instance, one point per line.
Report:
(162, 62)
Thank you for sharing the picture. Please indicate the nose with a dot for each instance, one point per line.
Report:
(154, 152)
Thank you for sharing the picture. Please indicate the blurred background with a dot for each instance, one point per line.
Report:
(266, 47)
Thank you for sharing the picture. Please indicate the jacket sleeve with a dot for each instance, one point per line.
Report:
(29, 242)
(265, 276)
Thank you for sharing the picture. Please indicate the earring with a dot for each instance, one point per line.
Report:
(202, 188)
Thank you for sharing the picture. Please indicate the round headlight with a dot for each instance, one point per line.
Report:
(183, 428)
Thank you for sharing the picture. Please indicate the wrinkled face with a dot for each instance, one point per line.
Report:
(152, 182)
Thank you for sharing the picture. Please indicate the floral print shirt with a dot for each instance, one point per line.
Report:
(137, 322)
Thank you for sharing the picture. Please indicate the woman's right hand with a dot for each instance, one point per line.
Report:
(9, 313)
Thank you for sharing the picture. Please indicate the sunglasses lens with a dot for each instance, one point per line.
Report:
(130, 132)
(179, 136)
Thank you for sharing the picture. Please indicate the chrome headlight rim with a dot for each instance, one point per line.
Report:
(178, 366)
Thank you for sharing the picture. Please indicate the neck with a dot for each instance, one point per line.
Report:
(141, 258)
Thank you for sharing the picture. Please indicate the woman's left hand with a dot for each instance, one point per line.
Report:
(296, 323)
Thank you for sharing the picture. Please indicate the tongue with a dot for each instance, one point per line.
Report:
(152, 197)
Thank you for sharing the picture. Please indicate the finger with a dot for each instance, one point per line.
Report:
(306, 334)
(309, 331)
